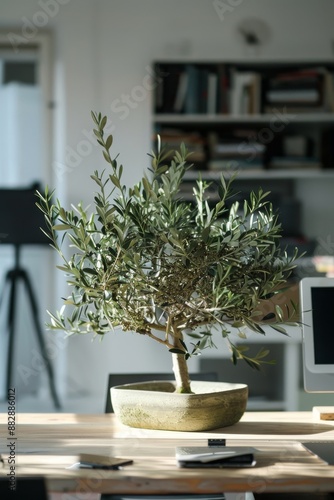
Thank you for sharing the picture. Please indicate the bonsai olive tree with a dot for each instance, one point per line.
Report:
(150, 262)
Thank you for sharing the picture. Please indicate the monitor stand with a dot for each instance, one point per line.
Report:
(323, 412)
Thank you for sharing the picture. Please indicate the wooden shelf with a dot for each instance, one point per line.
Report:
(264, 174)
(214, 119)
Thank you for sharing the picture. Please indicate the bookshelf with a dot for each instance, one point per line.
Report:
(273, 123)
(250, 116)
(270, 121)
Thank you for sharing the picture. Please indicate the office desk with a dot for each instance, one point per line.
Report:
(48, 443)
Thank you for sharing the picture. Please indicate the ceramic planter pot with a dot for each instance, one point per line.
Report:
(155, 405)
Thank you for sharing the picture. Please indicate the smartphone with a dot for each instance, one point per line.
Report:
(87, 461)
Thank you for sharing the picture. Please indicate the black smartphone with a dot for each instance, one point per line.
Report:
(87, 461)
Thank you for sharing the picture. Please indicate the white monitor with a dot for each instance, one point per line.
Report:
(317, 316)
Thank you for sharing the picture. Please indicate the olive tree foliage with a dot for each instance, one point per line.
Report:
(176, 271)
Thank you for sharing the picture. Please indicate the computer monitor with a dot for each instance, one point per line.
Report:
(317, 316)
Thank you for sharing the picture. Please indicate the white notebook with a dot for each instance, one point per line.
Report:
(215, 456)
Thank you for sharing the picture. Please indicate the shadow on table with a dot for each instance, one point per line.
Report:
(275, 428)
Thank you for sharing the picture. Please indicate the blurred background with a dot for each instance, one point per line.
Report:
(60, 59)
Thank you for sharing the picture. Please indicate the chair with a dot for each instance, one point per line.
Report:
(25, 487)
(131, 378)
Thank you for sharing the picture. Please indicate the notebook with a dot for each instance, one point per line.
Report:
(207, 456)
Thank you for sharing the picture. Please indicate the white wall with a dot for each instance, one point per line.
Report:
(102, 51)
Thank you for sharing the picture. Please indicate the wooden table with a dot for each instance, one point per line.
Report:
(46, 444)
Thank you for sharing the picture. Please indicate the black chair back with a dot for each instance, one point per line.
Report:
(23, 488)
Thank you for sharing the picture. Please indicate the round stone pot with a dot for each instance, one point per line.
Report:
(156, 405)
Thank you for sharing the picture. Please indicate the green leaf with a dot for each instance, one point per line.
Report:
(89, 270)
(61, 227)
(280, 329)
(268, 316)
(106, 156)
(115, 181)
(103, 122)
(279, 312)
(109, 142)
(176, 351)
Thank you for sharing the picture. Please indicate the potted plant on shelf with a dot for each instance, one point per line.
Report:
(149, 262)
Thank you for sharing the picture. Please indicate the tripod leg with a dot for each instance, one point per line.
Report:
(10, 278)
(3, 289)
(34, 309)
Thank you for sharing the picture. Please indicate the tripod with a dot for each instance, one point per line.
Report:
(12, 279)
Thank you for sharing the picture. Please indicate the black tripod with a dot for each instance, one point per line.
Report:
(12, 279)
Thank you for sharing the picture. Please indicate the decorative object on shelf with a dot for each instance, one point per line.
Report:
(254, 33)
(149, 262)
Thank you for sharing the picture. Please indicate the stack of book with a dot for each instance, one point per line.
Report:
(296, 152)
(235, 152)
(172, 138)
(304, 90)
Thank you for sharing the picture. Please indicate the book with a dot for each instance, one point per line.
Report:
(170, 86)
(254, 89)
(256, 165)
(194, 142)
(291, 162)
(212, 93)
(191, 98)
(297, 78)
(293, 95)
(242, 90)
(213, 457)
(223, 97)
(293, 109)
(329, 91)
(181, 92)
(242, 143)
(239, 148)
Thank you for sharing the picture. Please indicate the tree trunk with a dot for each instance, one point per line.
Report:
(181, 374)
(180, 368)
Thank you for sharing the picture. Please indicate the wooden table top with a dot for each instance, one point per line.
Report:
(46, 444)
